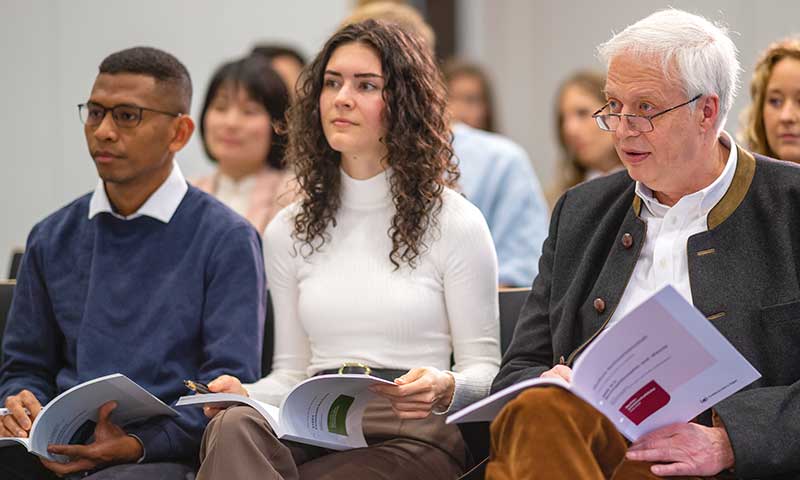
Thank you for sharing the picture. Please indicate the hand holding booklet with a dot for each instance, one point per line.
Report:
(71, 412)
(325, 410)
(661, 364)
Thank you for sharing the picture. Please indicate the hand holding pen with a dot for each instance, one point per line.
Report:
(221, 384)
(21, 410)
(196, 387)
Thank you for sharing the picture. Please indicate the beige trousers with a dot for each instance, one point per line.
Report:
(239, 444)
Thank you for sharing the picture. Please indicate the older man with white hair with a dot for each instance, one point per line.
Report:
(693, 210)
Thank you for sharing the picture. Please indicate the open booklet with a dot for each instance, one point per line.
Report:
(661, 364)
(325, 410)
(75, 411)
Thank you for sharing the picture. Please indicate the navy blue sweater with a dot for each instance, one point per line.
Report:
(157, 302)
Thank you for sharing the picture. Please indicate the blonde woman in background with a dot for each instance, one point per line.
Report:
(772, 122)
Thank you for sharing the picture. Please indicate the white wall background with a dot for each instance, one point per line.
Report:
(50, 49)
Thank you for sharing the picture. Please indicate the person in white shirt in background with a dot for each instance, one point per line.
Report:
(242, 125)
(380, 263)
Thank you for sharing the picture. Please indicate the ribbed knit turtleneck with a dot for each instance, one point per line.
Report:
(347, 302)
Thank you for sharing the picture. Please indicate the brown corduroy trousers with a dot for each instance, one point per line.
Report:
(549, 433)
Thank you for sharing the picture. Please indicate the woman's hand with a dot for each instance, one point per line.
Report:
(224, 384)
(419, 392)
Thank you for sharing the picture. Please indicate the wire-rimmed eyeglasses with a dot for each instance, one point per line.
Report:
(638, 123)
(125, 116)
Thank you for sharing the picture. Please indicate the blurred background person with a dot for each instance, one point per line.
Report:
(242, 127)
(496, 174)
(772, 122)
(469, 93)
(587, 151)
(285, 60)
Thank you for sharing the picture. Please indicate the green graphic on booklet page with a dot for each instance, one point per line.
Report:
(337, 415)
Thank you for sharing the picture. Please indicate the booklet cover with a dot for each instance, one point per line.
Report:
(76, 409)
(661, 364)
(325, 410)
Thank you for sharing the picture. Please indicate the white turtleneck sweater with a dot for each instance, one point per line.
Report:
(347, 303)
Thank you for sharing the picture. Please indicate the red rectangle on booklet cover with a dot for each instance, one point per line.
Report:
(648, 400)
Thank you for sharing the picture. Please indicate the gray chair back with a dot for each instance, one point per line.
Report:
(6, 294)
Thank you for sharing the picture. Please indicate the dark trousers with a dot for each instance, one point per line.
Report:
(17, 464)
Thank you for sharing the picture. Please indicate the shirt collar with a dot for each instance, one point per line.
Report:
(704, 200)
(226, 184)
(161, 205)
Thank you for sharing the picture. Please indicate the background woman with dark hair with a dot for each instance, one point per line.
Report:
(470, 95)
(772, 122)
(587, 151)
(379, 263)
(241, 125)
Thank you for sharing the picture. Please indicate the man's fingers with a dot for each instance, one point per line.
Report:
(4, 432)
(79, 465)
(30, 402)
(11, 425)
(72, 451)
(17, 410)
(104, 412)
(227, 384)
(672, 469)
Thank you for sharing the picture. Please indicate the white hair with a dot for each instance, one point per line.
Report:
(702, 52)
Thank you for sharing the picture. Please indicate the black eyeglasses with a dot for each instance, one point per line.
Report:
(125, 116)
(638, 123)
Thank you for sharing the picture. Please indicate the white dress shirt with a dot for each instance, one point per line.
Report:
(663, 260)
(161, 205)
(236, 194)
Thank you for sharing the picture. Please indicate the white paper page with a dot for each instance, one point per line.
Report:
(326, 410)
(224, 400)
(663, 363)
(486, 409)
(64, 415)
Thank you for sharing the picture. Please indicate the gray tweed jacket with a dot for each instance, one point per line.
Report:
(745, 277)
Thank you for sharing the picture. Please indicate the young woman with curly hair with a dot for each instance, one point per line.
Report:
(380, 264)
(772, 122)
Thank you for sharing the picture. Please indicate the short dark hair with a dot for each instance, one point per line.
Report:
(263, 85)
(270, 51)
(162, 66)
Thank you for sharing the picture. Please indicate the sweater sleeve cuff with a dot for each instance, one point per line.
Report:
(144, 450)
(155, 442)
(465, 393)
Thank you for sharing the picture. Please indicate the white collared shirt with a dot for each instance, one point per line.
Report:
(663, 259)
(235, 194)
(161, 205)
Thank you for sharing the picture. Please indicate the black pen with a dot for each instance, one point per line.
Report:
(196, 387)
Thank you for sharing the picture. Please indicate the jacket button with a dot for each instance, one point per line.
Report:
(599, 305)
(627, 240)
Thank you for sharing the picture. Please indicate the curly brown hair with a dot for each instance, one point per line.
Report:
(754, 132)
(418, 141)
